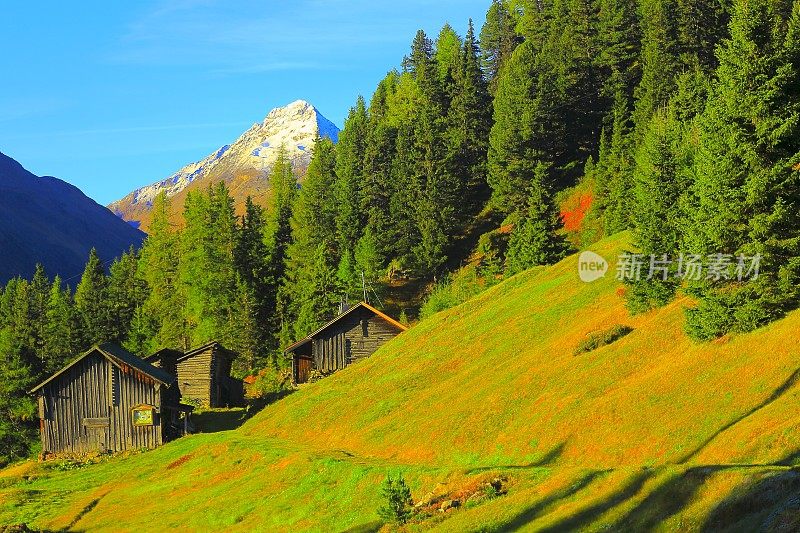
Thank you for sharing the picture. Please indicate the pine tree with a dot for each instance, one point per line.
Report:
(311, 280)
(348, 182)
(498, 40)
(251, 259)
(659, 57)
(127, 292)
(526, 131)
(61, 328)
(162, 318)
(469, 123)
(92, 304)
(278, 237)
(535, 240)
(745, 189)
(659, 182)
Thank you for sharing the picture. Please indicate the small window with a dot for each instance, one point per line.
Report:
(365, 328)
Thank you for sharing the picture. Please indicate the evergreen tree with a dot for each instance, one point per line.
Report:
(92, 303)
(498, 40)
(278, 237)
(348, 182)
(162, 318)
(745, 190)
(127, 293)
(469, 123)
(660, 181)
(61, 328)
(525, 132)
(535, 240)
(311, 282)
(659, 58)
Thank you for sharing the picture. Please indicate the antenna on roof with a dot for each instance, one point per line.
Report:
(369, 288)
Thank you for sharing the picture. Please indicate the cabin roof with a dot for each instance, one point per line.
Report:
(200, 349)
(118, 356)
(156, 355)
(361, 305)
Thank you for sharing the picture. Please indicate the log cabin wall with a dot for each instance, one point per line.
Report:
(88, 409)
(195, 376)
(352, 338)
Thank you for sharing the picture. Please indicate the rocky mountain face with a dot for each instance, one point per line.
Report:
(244, 165)
(48, 221)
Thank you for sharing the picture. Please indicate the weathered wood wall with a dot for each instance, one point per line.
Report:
(354, 337)
(195, 375)
(206, 378)
(88, 409)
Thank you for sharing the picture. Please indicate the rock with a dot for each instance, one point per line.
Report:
(448, 504)
(425, 501)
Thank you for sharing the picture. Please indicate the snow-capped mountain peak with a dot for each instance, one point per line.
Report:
(294, 128)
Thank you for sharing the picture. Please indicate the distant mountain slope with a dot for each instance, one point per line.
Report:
(244, 164)
(650, 433)
(45, 220)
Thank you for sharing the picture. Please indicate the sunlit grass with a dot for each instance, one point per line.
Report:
(650, 431)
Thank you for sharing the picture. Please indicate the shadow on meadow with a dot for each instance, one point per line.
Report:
(547, 459)
(216, 420)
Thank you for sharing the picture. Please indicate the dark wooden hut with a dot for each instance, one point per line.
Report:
(109, 400)
(204, 375)
(355, 334)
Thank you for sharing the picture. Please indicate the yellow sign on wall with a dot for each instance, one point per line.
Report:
(143, 415)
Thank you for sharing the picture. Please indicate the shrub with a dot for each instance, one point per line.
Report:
(270, 382)
(602, 338)
(398, 503)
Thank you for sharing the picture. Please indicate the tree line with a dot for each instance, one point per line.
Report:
(680, 116)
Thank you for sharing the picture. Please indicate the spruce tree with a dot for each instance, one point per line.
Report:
(60, 342)
(469, 123)
(162, 320)
(535, 240)
(498, 40)
(745, 190)
(348, 179)
(92, 303)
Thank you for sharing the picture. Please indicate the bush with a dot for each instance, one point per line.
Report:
(602, 338)
(398, 504)
(454, 290)
(270, 382)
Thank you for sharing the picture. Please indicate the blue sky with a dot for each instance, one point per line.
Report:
(111, 96)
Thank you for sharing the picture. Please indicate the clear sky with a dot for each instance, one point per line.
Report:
(113, 95)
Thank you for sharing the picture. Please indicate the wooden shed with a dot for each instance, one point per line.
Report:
(109, 400)
(353, 335)
(204, 375)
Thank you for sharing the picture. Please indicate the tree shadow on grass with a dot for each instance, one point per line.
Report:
(583, 518)
(369, 527)
(546, 460)
(780, 391)
(769, 502)
(216, 420)
(535, 511)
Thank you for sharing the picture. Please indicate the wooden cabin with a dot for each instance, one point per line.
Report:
(355, 334)
(204, 374)
(109, 400)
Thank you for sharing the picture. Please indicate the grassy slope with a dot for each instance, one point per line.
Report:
(651, 431)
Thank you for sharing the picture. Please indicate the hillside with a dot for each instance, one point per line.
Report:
(48, 221)
(650, 432)
(243, 164)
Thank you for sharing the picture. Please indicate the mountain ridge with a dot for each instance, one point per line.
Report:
(49, 221)
(243, 164)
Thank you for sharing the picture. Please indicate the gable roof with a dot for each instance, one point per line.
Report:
(203, 348)
(361, 305)
(118, 357)
(163, 351)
